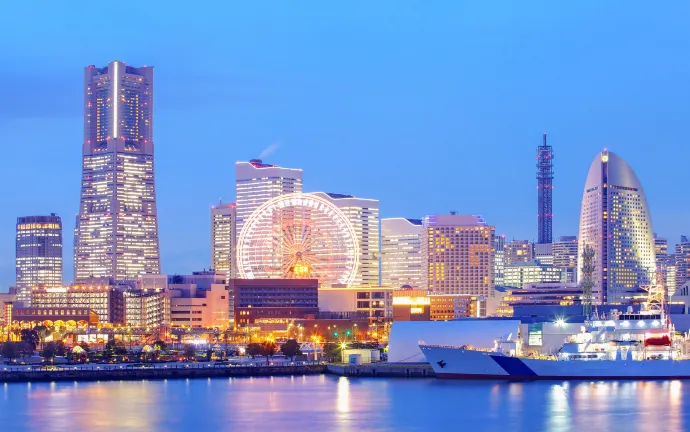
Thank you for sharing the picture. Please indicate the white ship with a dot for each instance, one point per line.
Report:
(628, 346)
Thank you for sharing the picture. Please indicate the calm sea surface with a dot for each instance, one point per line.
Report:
(326, 403)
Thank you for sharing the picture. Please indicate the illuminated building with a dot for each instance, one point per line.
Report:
(80, 316)
(363, 214)
(458, 254)
(411, 305)
(39, 254)
(257, 182)
(682, 261)
(197, 307)
(6, 302)
(615, 222)
(145, 308)
(499, 259)
(445, 307)
(519, 274)
(565, 257)
(375, 302)
(273, 301)
(401, 253)
(106, 301)
(223, 238)
(519, 251)
(540, 294)
(116, 232)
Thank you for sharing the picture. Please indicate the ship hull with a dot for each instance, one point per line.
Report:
(456, 363)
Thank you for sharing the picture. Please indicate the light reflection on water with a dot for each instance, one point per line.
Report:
(326, 403)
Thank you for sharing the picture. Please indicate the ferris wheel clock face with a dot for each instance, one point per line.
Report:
(298, 236)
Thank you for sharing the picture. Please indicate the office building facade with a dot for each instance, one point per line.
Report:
(223, 237)
(565, 256)
(519, 274)
(682, 261)
(458, 253)
(518, 251)
(499, 259)
(38, 254)
(401, 253)
(116, 232)
(615, 222)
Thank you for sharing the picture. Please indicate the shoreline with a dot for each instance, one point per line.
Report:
(110, 373)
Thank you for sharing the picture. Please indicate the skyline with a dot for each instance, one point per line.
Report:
(409, 99)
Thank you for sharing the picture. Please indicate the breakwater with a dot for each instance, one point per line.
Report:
(119, 373)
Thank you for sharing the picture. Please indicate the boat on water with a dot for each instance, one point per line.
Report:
(627, 346)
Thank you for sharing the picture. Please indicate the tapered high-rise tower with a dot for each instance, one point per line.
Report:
(544, 193)
(116, 233)
(615, 223)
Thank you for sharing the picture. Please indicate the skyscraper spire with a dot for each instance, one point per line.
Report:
(544, 192)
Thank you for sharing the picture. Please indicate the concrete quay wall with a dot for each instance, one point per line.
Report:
(91, 374)
(382, 370)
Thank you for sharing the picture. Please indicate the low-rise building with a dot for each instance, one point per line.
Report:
(453, 306)
(411, 305)
(75, 316)
(375, 302)
(273, 301)
(519, 274)
(191, 306)
(106, 301)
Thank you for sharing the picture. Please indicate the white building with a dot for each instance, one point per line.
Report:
(376, 302)
(615, 222)
(401, 254)
(223, 238)
(363, 214)
(257, 182)
(519, 274)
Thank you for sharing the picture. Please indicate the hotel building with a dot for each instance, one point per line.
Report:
(223, 237)
(458, 254)
(615, 222)
(257, 182)
(401, 253)
(363, 214)
(116, 232)
(38, 254)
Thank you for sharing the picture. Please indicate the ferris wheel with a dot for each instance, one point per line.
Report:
(298, 236)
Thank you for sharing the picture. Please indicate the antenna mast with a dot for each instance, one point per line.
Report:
(587, 280)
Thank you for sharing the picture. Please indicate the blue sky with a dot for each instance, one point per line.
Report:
(427, 106)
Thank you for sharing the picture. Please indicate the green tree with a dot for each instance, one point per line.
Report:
(49, 351)
(332, 352)
(189, 352)
(26, 349)
(30, 337)
(253, 350)
(109, 349)
(10, 350)
(290, 349)
(42, 332)
(60, 348)
(268, 349)
(159, 345)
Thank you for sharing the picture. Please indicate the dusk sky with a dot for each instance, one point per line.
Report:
(426, 106)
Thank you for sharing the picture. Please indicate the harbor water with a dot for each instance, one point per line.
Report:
(330, 403)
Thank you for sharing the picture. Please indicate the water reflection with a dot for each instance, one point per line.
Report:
(342, 404)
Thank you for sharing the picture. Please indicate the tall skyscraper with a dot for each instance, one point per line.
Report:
(682, 261)
(257, 182)
(499, 259)
(116, 232)
(565, 256)
(519, 251)
(544, 192)
(401, 254)
(223, 238)
(615, 222)
(458, 254)
(364, 216)
(39, 254)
